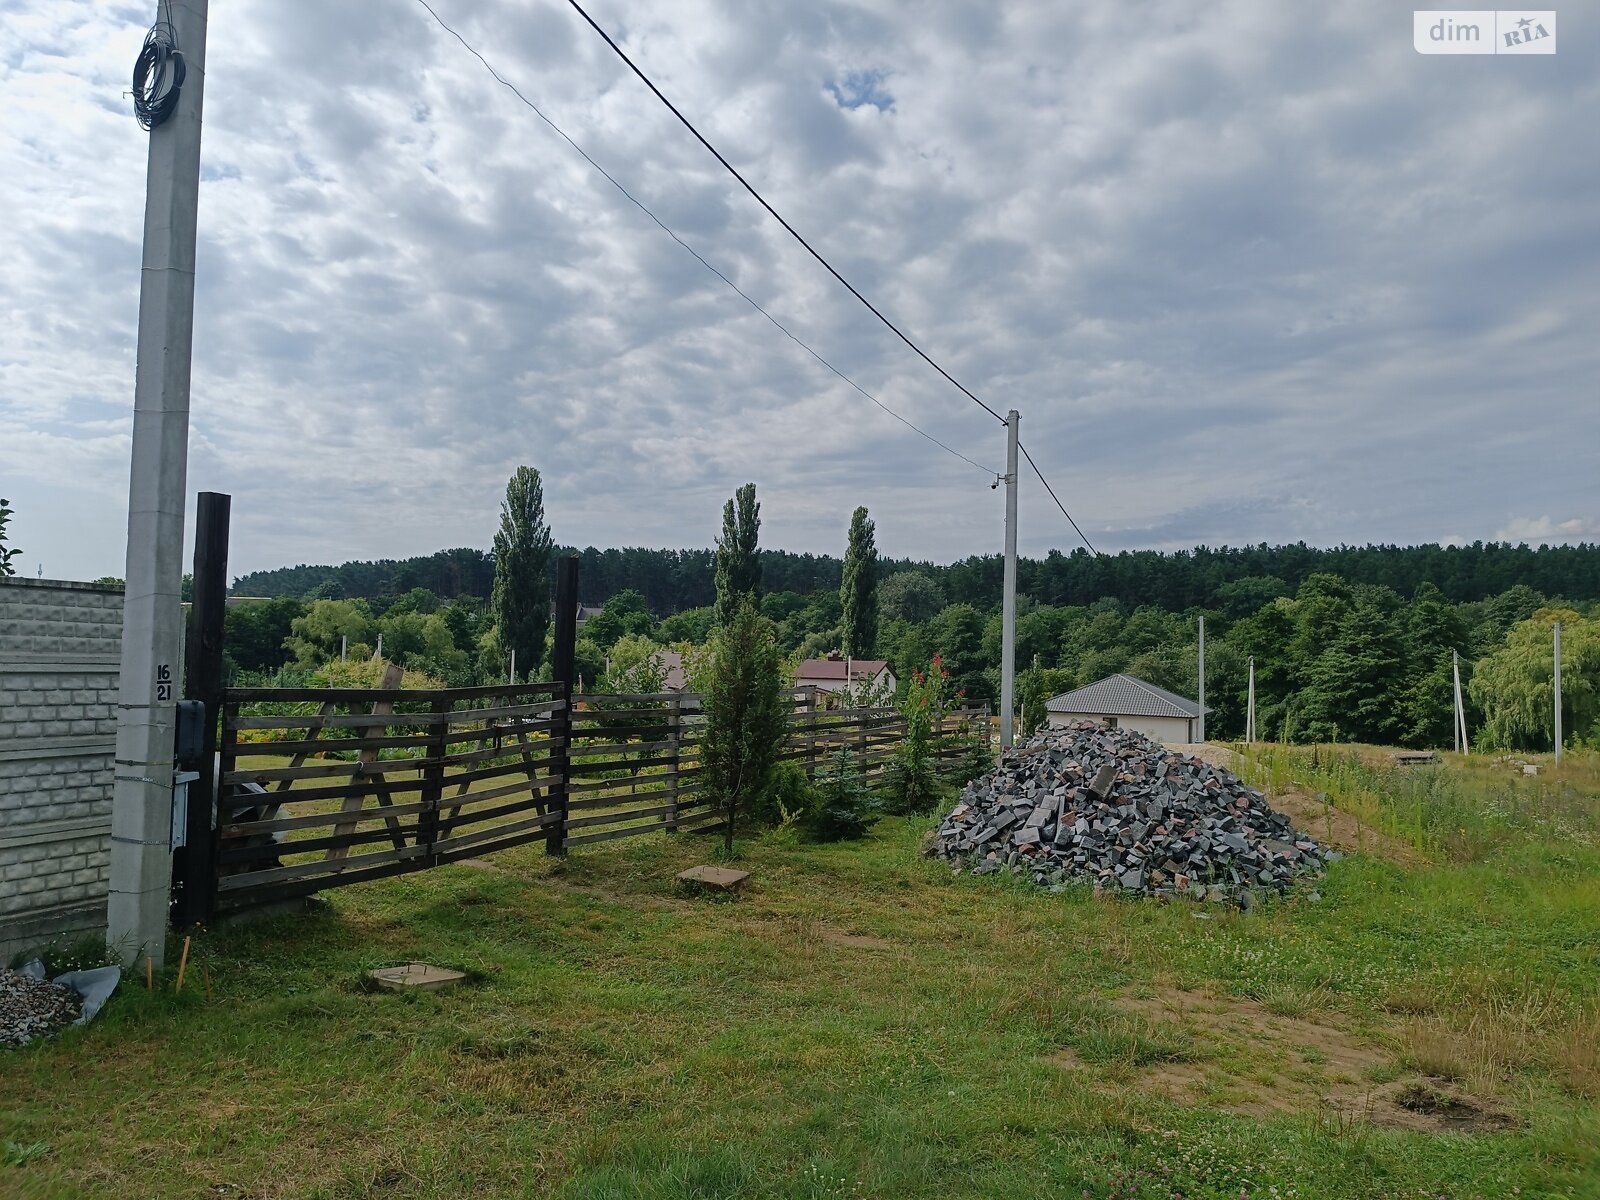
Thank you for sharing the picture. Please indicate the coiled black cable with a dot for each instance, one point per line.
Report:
(157, 76)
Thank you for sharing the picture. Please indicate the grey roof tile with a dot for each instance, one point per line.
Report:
(1124, 696)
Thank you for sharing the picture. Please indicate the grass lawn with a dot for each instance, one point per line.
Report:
(861, 1022)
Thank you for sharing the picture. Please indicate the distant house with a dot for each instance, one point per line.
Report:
(1125, 702)
(585, 611)
(830, 674)
(673, 677)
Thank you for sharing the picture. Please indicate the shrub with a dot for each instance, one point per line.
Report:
(789, 797)
(845, 809)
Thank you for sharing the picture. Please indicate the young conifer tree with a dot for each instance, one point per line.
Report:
(745, 714)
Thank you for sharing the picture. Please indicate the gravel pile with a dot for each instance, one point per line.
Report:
(1113, 808)
(32, 1008)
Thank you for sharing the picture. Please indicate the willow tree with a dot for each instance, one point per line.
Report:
(1515, 684)
(738, 570)
(521, 599)
(858, 594)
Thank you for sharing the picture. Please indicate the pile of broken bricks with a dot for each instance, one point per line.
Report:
(1111, 808)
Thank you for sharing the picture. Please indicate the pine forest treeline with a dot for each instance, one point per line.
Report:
(674, 580)
(1353, 644)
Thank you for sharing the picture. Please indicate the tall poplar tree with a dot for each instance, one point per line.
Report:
(738, 567)
(858, 594)
(521, 599)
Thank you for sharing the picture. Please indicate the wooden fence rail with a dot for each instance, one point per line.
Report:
(322, 787)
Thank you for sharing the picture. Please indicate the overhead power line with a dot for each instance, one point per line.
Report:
(697, 255)
(812, 250)
(1056, 498)
(778, 217)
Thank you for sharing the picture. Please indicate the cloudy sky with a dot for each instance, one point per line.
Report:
(1251, 271)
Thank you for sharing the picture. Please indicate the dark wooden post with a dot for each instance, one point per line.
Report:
(561, 670)
(196, 863)
(433, 775)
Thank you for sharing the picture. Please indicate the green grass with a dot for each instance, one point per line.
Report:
(860, 1022)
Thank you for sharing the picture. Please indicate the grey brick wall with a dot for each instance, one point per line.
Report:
(60, 647)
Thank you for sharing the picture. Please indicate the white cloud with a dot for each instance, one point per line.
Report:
(1238, 269)
(1542, 530)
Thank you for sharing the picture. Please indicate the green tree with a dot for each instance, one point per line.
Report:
(1515, 685)
(746, 717)
(417, 600)
(6, 553)
(467, 619)
(316, 635)
(738, 570)
(634, 665)
(521, 599)
(957, 636)
(1031, 699)
(254, 633)
(858, 594)
(623, 615)
(690, 625)
(1431, 629)
(1241, 597)
(910, 596)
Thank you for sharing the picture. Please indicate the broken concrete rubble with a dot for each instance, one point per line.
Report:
(1112, 808)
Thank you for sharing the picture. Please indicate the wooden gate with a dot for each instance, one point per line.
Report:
(322, 787)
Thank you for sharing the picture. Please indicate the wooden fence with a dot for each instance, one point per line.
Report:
(379, 782)
(323, 787)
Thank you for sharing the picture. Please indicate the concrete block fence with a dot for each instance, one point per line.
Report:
(60, 648)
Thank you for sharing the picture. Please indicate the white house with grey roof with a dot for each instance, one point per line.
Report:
(1126, 702)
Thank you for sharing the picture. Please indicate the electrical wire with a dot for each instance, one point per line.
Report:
(776, 216)
(810, 249)
(697, 255)
(1057, 499)
(158, 73)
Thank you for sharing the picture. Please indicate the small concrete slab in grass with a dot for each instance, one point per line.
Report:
(721, 879)
(424, 977)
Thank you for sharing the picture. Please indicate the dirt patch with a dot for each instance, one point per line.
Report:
(1258, 1062)
(1445, 1104)
(1217, 756)
(483, 864)
(860, 941)
(1334, 827)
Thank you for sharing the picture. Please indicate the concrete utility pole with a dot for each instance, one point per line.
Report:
(1202, 724)
(1008, 609)
(141, 806)
(1462, 746)
(1250, 706)
(1558, 693)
